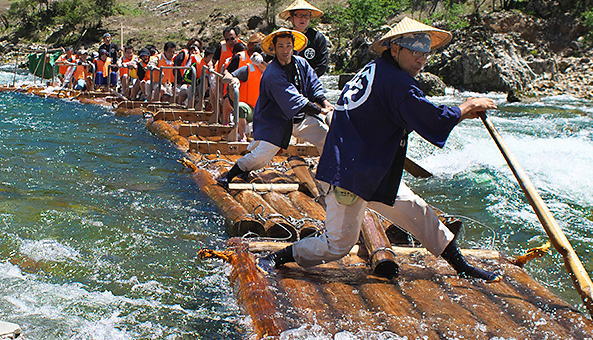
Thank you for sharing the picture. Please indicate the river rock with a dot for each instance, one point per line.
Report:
(431, 84)
(481, 60)
(9, 330)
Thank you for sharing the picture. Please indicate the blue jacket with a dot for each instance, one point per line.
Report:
(279, 100)
(365, 148)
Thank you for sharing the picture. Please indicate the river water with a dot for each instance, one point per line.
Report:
(99, 224)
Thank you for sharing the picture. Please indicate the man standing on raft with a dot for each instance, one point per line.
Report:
(290, 100)
(365, 148)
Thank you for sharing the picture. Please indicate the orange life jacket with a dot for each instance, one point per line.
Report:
(199, 66)
(80, 72)
(225, 52)
(125, 70)
(168, 76)
(244, 59)
(64, 58)
(249, 90)
(103, 66)
(185, 62)
(146, 71)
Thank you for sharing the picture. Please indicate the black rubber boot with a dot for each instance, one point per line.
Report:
(234, 172)
(274, 260)
(453, 256)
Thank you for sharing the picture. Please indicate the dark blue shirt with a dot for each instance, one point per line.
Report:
(366, 144)
(280, 100)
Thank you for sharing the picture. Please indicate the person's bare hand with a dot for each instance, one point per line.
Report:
(472, 107)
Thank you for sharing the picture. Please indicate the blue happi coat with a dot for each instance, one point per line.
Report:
(279, 100)
(365, 148)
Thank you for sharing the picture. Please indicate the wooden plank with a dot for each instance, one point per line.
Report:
(184, 115)
(238, 148)
(279, 187)
(204, 130)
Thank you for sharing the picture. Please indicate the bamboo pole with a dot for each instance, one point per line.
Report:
(574, 266)
(279, 187)
(307, 205)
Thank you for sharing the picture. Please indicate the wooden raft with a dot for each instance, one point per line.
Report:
(427, 299)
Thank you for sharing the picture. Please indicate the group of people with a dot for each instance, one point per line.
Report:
(362, 139)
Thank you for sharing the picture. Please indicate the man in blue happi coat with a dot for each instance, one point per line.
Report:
(365, 148)
(291, 103)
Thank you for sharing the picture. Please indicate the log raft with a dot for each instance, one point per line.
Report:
(425, 300)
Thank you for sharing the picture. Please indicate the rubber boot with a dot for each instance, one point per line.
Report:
(453, 256)
(274, 260)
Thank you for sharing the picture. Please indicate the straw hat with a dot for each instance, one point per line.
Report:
(256, 37)
(300, 4)
(438, 37)
(300, 40)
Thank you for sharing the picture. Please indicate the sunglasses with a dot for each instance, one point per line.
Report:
(303, 16)
(229, 39)
(418, 54)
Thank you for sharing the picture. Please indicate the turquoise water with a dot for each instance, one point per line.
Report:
(99, 224)
(104, 224)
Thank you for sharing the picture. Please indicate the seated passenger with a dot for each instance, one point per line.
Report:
(66, 63)
(127, 70)
(82, 76)
(102, 69)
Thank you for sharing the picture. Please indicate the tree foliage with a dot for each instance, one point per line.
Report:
(363, 17)
(29, 15)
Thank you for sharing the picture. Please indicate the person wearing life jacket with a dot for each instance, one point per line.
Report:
(242, 58)
(247, 79)
(225, 49)
(195, 62)
(143, 74)
(128, 70)
(65, 63)
(183, 58)
(300, 13)
(363, 159)
(102, 69)
(291, 100)
(82, 76)
(166, 76)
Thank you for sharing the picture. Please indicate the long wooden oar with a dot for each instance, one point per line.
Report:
(415, 169)
(577, 272)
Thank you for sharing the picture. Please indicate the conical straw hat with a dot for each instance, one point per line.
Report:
(438, 37)
(300, 4)
(300, 40)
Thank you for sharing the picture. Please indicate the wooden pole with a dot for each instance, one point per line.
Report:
(284, 206)
(415, 169)
(252, 289)
(275, 225)
(574, 266)
(381, 256)
(301, 170)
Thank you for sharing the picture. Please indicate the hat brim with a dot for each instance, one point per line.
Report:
(300, 41)
(438, 39)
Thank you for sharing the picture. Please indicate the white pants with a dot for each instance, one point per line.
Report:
(261, 152)
(343, 224)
